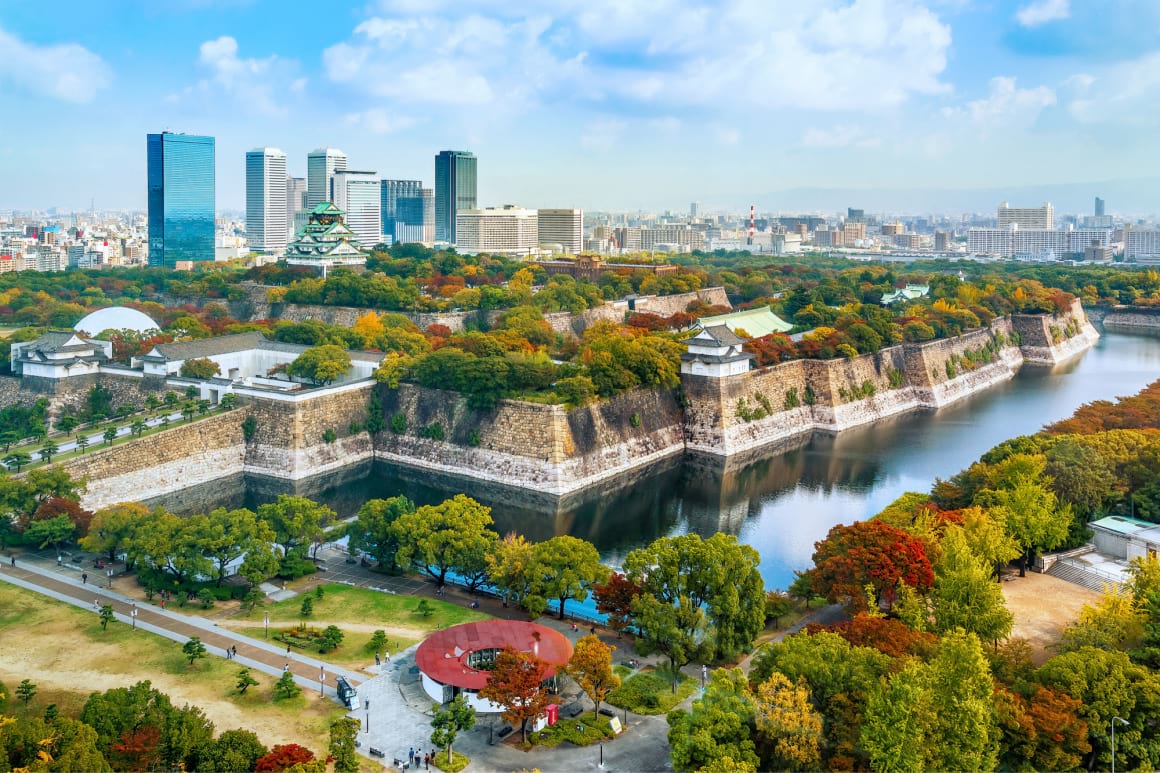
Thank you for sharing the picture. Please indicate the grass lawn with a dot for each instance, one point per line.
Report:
(457, 762)
(650, 692)
(592, 729)
(352, 653)
(63, 650)
(345, 604)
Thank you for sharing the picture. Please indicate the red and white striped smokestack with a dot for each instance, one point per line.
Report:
(752, 223)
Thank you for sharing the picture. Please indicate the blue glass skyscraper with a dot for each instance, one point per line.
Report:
(181, 198)
(456, 174)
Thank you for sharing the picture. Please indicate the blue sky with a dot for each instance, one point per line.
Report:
(619, 104)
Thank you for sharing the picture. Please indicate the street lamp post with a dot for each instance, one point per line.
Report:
(602, 755)
(267, 623)
(1123, 722)
(133, 615)
(321, 680)
(367, 706)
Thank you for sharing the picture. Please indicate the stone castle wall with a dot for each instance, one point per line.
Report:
(1131, 318)
(543, 447)
(1043, 337)
(168, 461)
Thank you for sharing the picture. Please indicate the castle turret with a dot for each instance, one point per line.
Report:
(716, 352)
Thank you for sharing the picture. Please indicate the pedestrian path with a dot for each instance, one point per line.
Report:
(261, 656)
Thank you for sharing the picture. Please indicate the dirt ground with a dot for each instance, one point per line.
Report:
(63, 651)
(1043, 606)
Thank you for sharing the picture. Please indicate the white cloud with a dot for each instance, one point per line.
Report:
(1006, 106)
(260, 85)
(602, 135)
(1043, 11)
(378, 121)
(1125, 93)
(65, 71)
(841, 136)
(666, 54)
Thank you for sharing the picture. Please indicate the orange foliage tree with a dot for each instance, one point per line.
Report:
(868, 554)
(517, 684)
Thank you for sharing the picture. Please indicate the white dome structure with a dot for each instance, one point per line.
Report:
(116, 318)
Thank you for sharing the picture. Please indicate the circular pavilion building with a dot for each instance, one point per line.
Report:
(455, 661)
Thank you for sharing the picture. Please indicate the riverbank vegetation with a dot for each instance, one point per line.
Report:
(923, 674)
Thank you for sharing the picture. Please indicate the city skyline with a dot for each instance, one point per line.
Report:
(599, 105)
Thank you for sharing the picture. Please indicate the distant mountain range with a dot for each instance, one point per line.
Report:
(1137, 198)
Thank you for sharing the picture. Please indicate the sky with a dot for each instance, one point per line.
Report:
(604, 104)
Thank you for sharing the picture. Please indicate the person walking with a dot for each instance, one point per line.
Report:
(234, 652)
(84, 578)
(286, 668)
(12, 560)
(378, 659)
(411, 756)
(227, 653)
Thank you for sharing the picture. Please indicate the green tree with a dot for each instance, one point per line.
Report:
(720, 724)
(233, 750)
(373, 532)
(342, 745)
(193, 649)
(448, 722)
(228, 401)
(1024, 502)
(378, 641)
(25, 691)
(201, 368)
(82, 443)
(332, 637)
(112, 527)
(51, 744)
(321, 364)
(507, 568)
(16, 459)
(296, 521)
(51, 531)
(184, 734)
(110, 435)
(245, 681)
(106, 615)
(224, 536)
(286, 688)
(963, 731)
(565, 568)
(964, 594)
(988, 539)
(307, 608)
(453, 535)
(67, 424)
(170, 545)
(893, 729)
(48, 450)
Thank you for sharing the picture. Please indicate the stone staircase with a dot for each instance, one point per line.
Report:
(1078, 573)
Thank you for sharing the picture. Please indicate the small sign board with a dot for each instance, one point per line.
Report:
(614, 723)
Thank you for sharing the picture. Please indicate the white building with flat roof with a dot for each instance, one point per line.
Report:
(321, 165)
(359, 195)
(564, 227)
(508, 229)
(1142, 244)
(266, 204)
(1042, 218)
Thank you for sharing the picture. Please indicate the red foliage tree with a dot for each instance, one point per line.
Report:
(614, 598)
(892, 637)
(868, 553)
(772, 349)
(647, 321)
(517, 684)
(283, 756)
(54, 506)
(137, 749)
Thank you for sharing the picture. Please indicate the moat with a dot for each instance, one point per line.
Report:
(781, 500)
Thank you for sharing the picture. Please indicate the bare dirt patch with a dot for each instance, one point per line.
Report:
(1043, 606)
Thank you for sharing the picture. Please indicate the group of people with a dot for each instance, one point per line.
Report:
(379, 656)
(231, 652)
(415, 757)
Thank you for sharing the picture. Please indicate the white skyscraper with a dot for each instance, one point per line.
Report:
(563, 227)
(321, 165)
(266, 200)
(359, 194)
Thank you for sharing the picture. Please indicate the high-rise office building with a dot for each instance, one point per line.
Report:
(855, 215)
(455, 190)
(694, 209)
(266, 200)
(392, 191)
(509, 229)
(415, 218)
(321, 165)
(295, 202)
(564, 227)
(1099, 207)
(1038, 218)
(357, 193)
(180, 179)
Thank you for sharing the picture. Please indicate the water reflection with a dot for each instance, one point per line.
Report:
(780, 500)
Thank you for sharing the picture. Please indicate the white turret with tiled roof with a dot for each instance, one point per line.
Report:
(715, 351)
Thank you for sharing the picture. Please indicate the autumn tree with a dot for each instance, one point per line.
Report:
(283, 757)
(451, 536)
(517, 684)
(321, 364)
(720, 724)
(507, 567)
(614, 599)
(964, 594)
(788, 724)
(1023, 500)
(868, 553)
(202, 368)
(591, 667)
(448, 722)
(564, 568)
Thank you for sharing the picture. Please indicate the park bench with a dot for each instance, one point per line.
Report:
(376, 752)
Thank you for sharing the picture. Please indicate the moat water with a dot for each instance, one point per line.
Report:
(780, 501)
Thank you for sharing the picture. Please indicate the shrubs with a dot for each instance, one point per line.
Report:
(398, 424)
